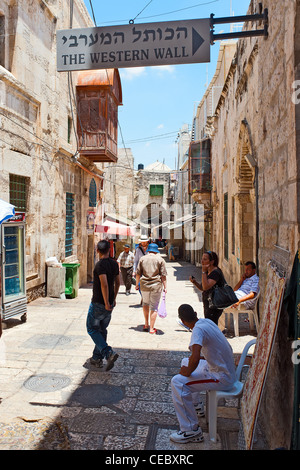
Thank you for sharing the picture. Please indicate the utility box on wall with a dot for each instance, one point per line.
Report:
(99, 94)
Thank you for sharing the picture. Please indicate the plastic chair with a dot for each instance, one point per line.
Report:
(213, 396)
(242, 309)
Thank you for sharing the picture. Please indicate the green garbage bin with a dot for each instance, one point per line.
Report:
(72, 280)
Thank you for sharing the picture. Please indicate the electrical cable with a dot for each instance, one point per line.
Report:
(164, 14)
(71, 89)
(32, 133)
(151, 138)
(181, 9)
(72, 94)
(154, 137)
(132, 21)
(93, 13)
(108, 82)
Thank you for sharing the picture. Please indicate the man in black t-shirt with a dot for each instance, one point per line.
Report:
(105, 289)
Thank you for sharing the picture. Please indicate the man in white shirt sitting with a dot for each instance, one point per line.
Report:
(248, 287)
(210, 367)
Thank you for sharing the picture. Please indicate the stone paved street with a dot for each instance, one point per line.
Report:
(52, 398)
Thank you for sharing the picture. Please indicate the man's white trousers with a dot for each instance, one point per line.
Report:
(185, 393)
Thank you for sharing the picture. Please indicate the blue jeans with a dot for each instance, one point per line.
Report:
(98, 319)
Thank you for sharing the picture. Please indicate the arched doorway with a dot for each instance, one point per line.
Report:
(152, 218)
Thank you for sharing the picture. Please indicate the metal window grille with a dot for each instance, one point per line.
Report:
(18, 192)
(93, 194)
(69, 224)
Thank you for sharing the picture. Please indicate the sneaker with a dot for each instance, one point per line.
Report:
(187, 436)
(199, 408)
(96, 362)
(111, 359)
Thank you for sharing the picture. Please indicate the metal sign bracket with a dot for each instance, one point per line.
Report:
(263, 16)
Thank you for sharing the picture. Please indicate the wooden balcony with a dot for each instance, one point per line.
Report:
(200, 167)
(98, 146)
(98, 96)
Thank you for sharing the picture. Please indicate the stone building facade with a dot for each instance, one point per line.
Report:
(253, 200)
(37, 140)
(137, 197)
(255, 174)
(190, 194)
(151, 198)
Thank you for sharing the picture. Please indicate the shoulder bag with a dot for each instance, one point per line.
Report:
(222, 296)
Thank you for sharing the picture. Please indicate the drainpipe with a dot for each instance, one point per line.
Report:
(253, 163)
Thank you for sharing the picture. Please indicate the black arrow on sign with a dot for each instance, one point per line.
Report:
(197, 40)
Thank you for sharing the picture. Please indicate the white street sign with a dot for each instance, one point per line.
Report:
(134, 45)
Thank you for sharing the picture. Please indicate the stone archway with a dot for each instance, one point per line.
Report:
(153, 215)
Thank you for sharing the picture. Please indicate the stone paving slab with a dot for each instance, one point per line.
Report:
(52, 398)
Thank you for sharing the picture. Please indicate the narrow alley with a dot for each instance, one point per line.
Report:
(52, 398)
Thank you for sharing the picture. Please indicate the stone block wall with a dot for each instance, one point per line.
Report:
(257, 116)
(35, 139)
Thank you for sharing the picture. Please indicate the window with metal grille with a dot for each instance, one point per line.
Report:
(69, 224)
(156, 189)
(18, 192)
(93, 194)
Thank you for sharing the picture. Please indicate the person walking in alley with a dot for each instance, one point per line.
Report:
(209, 367)
(140, 251)
(152, 275)
(211, 276)
(125, 261)
(105, 289)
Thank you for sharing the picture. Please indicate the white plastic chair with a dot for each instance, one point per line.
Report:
(236, 311)
(213, 396)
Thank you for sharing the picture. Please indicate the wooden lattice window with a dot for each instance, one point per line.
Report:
(200, 166)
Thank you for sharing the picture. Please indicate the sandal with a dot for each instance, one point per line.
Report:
(146, 328)
(153, 332)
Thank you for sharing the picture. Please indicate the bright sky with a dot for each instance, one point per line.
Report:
(157, 101)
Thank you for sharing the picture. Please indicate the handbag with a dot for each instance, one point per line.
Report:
(162, 311)
(222, 296)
